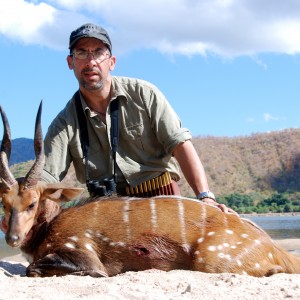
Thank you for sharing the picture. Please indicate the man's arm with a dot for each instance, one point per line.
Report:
(57, 153)
(194, 173)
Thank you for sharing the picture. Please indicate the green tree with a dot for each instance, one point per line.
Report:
(288, 208)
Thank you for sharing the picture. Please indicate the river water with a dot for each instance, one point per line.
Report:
(278, 227)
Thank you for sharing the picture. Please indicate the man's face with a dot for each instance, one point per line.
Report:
(91, 62)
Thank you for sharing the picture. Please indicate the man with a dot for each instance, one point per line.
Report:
(150, 140)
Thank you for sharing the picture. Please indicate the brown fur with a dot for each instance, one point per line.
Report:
(105, 238)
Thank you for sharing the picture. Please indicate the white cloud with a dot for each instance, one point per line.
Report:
(38, 23)
(259, 62)
(268, 117)
(227, 28)
(23, 20)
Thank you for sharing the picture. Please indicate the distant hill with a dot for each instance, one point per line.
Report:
(264, 162)
(260, 163)
(22, 150)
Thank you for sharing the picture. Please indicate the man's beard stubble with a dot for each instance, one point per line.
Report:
(92, 86)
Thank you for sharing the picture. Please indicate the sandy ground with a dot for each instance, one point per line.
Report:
(151, 284)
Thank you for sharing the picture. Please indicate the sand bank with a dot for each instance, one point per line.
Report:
(151, 284)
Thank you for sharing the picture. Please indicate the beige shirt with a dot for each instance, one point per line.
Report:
(149, 130)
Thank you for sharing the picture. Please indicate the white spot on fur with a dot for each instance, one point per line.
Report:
(239, 263)
(244, 235)
(244, 273)
(211, 233)
(257, 265)
(197, 252)
(229, 231)
(225, 221)
(98, 234)
(89, 247)
(202, 217)
(121, 244)
(153, 213)
(88, 235)
(95, 211)
(182, 221)
(200, 240)
(270, 255)
(221, 255)
(228, 257)
(126, 217)
(212, 248)
(126, 209)
(239, 243)
(201, 260)
(233, 247)
(49, 245)
(70, 245)
(257, 242)
(220, 247)
(74, 238)
(226, 245)
(186, 248)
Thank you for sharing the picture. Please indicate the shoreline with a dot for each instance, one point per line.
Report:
(289, 214)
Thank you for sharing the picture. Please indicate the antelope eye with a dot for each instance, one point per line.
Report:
(31, 206)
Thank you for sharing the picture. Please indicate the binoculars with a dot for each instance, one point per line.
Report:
(100, 189)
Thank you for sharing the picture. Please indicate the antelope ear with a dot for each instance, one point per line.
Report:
(60, 193)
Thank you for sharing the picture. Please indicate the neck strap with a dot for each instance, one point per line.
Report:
(84, 136)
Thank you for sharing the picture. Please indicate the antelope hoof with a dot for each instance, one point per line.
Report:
(91, 273)
(33, 273)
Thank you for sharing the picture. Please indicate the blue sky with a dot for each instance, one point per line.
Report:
(228, 67)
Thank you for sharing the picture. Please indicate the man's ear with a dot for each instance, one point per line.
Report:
(59, 193)
(70, 62)
(112, 63)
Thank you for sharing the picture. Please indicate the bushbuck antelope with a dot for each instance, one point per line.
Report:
(114, 235)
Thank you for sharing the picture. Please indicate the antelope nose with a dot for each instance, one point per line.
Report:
(12, 240)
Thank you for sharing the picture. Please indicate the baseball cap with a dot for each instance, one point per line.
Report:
(90, 30)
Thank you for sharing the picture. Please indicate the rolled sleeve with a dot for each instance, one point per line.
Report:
(48, 177)
(57, 143)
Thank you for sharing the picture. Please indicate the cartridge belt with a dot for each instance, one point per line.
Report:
(161, 185)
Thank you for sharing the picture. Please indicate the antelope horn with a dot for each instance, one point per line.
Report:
(7, 177)
(33, 176)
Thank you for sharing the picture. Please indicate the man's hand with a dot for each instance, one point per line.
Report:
(222, 207)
